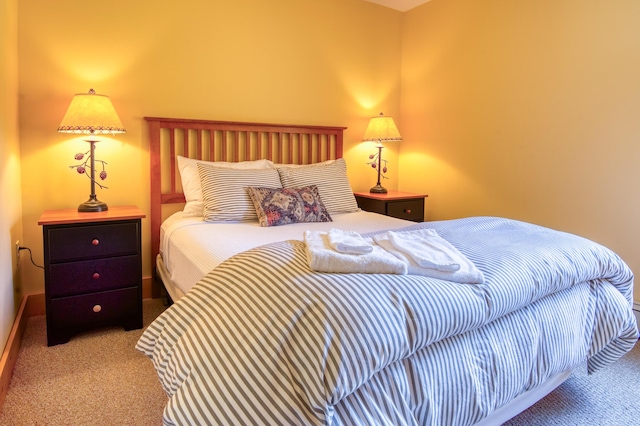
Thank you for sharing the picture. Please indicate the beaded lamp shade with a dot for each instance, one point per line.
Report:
(90, 113)
(382, 129)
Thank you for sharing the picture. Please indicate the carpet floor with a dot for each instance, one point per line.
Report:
(98, 378)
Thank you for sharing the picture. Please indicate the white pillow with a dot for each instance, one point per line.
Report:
(224, 191)
(191, 180)
(332, 182)
(280, 165)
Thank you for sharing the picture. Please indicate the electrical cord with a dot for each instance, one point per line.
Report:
(30, 256)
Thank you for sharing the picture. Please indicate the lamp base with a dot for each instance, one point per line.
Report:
(378, 189)
(93, 205)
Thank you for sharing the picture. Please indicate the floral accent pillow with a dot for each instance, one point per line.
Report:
(283, 206)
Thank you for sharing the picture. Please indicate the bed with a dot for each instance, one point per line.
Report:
(259, 334)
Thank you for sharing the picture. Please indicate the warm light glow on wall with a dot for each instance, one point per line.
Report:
(369, 98)
(76, 64)
(85, 57)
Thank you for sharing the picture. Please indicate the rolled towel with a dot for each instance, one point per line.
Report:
(427, 249)
(348, 242)
(323, 258)
(467, 274)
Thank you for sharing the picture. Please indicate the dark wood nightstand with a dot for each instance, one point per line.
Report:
(403, 205)
(93, 270)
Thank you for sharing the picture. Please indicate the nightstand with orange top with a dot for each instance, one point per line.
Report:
(93, 270)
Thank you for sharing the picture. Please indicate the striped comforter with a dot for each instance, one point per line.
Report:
(264, 340)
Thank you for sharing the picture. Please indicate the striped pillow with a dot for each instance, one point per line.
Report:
(190, 179)
(224, 194)
(331, 180)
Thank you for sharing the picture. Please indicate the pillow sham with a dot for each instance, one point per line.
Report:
(190, 180)
(332, 182)
(224, 195)
(282, 206)
(279, 165)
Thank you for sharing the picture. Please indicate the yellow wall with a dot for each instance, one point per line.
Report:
(526, 109)
(330, 62)
(10, 188)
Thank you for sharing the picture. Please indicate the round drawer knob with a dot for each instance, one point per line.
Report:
(408, 211)
(95, 241)
(97, 308)
(96, 275)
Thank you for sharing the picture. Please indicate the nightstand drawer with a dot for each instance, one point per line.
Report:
(96, 309)
(86, 242)
(403, 205)
(94, 275)
(409, 210)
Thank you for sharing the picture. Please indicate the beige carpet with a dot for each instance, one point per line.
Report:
(609, 397)
(98, 378)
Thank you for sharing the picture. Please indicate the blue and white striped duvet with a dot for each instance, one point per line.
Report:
(262, 339)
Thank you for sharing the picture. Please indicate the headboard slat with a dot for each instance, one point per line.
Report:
(172, 156)
(225, 156)
(199, 133)
(225, 143)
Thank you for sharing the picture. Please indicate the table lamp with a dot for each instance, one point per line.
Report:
(380, 129)
(91, 114)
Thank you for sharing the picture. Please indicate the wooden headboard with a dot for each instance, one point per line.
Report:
(225, 141)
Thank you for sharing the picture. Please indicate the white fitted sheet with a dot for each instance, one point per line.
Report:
(191, 247)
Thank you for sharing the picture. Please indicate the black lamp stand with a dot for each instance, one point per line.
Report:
(379, 189)
(93, 204)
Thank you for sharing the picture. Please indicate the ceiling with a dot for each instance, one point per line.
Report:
(401, 5)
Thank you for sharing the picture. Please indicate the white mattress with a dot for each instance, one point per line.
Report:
(191, 247)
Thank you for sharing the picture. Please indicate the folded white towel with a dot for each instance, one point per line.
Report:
(349, 242)
(467, 274)
(323, 258)
(427, 249)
